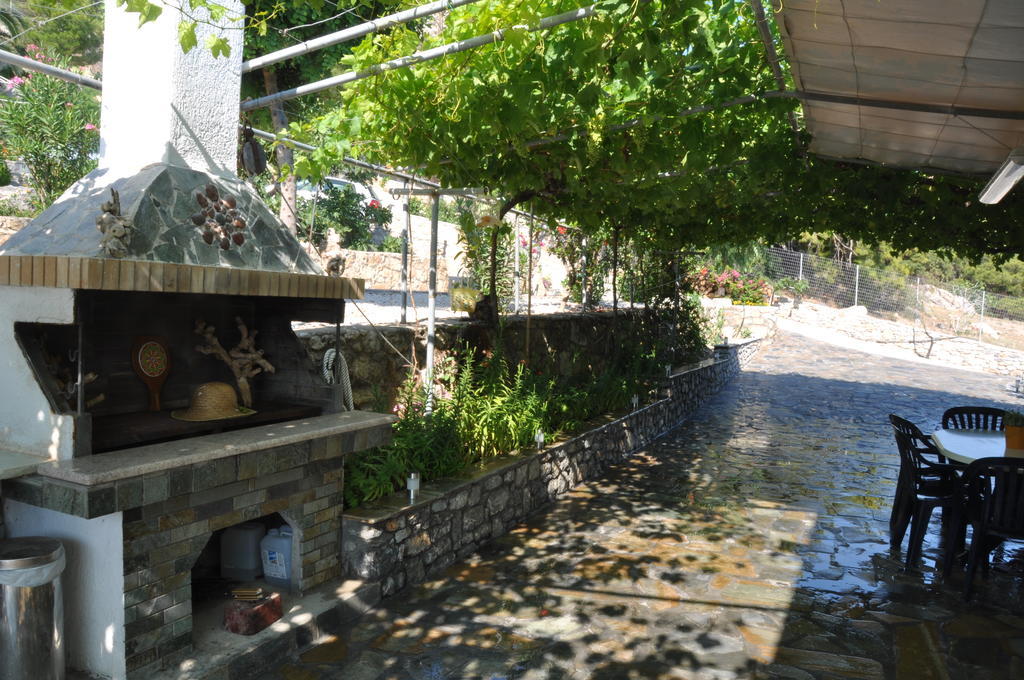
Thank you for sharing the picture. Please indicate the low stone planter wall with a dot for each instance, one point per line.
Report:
(397, 544)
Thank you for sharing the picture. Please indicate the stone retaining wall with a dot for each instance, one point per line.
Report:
(397, 544)
(383, 271)
(9, 226)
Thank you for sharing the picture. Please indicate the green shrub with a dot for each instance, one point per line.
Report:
(484, 408)
(798, 287)
(746, 289)
(5, 174)
(50, 124)
(10, 208)
(343, 210)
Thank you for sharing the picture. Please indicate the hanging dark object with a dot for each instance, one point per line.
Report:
(251, 156)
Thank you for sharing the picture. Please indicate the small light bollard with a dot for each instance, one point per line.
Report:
(413, 484)
(636, 401)
(539, 438)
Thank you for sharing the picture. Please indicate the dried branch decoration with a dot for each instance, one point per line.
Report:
(244, 360)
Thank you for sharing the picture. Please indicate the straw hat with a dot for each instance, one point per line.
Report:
(213, 401)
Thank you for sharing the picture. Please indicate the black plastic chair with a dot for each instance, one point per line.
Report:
(924, 484)
(973, 418)
(994, 493)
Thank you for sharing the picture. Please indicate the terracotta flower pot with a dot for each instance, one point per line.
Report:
(1014, 437)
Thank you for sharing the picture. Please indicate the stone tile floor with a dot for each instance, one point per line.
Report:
(751, 543)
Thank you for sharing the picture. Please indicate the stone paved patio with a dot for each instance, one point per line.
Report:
(751, 543)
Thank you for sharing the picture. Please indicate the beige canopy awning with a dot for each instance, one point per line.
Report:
(924, 84)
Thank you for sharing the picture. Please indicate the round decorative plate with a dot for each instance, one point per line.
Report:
(152, 362)
(152, 359)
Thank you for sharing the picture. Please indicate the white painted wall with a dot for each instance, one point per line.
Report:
(93, 582)
(161, 105)
(26, 423)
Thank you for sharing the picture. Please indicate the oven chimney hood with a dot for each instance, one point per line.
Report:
(169, 134)
(164, 212)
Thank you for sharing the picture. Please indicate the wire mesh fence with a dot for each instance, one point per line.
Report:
(935, 307)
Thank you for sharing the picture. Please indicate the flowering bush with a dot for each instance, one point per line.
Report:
(342, 210)
(703, 281)
(747, 290)
(51, 125)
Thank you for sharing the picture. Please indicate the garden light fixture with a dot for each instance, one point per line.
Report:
(413, 484)
(539, 438)
(1008, 174)
(636, 401)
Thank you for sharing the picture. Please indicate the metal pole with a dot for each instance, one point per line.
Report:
(584, 298)
(432, 304)
(773, 58)
(529, 287)
(800, 275)
(856, 284)
(33, 65)
(405, 256)
(919, 292)
(632, 278)
(417, 58)
(312, 217)
(516, 274)
(982, 319)
(675, 308)
(353, 32)
(339, 317)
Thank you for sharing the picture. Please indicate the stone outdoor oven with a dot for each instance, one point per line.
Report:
(99, 331)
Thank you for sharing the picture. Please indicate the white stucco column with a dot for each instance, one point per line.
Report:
(27, 422)
(161, 105)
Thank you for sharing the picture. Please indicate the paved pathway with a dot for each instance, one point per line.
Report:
(751, 543)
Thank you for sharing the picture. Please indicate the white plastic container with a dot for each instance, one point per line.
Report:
(276, 551)
(240, 551)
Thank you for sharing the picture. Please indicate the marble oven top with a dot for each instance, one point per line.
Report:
(111, 467)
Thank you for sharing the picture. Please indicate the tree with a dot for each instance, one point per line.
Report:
(274, 26)
(72, 29)
(12, 21)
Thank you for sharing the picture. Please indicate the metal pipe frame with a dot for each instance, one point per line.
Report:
(353, 32)
(417, 58)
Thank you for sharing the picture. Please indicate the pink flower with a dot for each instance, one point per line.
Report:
(90, 126)
(562, 230)
(15, 82)
(374, 203)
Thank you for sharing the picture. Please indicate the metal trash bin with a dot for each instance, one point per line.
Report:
(31, 609)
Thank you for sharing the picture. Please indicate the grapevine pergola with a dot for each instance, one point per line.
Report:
(670, 122)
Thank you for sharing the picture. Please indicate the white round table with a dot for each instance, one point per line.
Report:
(966, 446)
